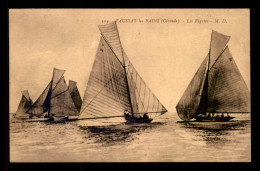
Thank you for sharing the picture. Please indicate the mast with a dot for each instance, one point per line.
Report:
(125, 71)
(206, 81)
(49, 96)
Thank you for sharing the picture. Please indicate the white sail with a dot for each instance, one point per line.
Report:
(114, 85)
(106, 94)
(142, 98)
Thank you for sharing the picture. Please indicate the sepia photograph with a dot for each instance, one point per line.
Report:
(129, 85)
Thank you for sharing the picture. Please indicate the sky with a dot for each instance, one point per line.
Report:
(166, 46)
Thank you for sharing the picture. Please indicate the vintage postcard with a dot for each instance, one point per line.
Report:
(129, 85)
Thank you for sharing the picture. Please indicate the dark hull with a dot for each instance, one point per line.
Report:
(213, 119)
(130, 119)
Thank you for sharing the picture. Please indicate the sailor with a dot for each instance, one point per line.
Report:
(126, 113)
(217, 116)
(228, 115)
(145, 116)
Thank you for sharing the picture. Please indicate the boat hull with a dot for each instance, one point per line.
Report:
(214, 125)
(213, 119)
(130, 119)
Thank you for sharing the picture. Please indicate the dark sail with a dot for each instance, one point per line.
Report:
(227, 90)
(25, 103)
(39, 106)
(188, 105)
(217, 44)
(222, 88)
(74, 92)
(57, 74)
(61, 103)
(55, 99)
(106, 94)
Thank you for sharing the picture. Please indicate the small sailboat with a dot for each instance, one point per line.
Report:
(216, 88)
(55, 101)
(25, 103)
(114, 88)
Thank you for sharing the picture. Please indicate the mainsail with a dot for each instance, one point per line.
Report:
(217, 86)
(74, 92)
(114, 85)
(25, 103)
(55, 99)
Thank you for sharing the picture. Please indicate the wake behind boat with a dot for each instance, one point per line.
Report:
(217, 87)
(114, 88)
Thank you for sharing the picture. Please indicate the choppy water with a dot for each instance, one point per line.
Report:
(163, 140)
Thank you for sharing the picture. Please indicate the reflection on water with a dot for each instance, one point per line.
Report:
(215, 132)
(166, 139)
(114, 134)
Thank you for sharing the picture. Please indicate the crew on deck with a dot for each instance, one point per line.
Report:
(127, 115)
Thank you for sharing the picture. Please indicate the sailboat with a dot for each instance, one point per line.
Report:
(216, 88)
(114, 88)
(55, 101)
(25, 103)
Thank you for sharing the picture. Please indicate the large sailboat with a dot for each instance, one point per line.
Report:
(114, 88)
(25, 103)
(55, 101)
(217, 87)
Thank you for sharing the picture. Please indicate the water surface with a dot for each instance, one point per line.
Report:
(166, 139)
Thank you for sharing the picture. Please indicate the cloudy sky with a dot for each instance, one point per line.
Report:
(165, 54)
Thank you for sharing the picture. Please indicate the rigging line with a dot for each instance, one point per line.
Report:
(96, 95)
(58, 83)
(219, 56)
(59, 94)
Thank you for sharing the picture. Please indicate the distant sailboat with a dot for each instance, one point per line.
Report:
(114, 88)
(217, 86)
(25, 103)
(74, 92)
(55, 100)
